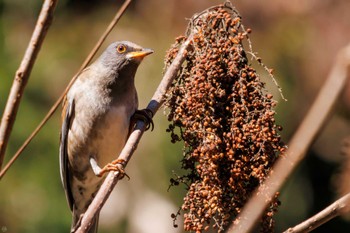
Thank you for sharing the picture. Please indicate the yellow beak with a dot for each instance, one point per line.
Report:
(139, 54)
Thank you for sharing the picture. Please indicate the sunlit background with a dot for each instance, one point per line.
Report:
(298, 39)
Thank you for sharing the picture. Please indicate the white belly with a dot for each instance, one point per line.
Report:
(106, 147)
(111, 139)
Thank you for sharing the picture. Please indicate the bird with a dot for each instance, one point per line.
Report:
(97, 117)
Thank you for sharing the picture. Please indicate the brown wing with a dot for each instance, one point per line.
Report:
(67, 118)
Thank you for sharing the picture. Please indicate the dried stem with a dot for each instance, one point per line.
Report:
(322, 217)
(58, 102)
(301, 141)
(23, 73)
(133, 140)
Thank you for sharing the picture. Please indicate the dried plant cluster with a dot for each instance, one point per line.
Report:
(219, 108)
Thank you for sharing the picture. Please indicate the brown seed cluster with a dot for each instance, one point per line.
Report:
(219, 109)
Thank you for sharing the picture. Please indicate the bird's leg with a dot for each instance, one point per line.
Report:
(112, 166)
(144, 115)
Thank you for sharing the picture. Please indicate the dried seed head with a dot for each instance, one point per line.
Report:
(218, 107)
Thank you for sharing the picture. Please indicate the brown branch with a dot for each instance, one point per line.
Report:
(58, 102)
(298, 145)
(332, 211)
(23, 73)
(133, 140)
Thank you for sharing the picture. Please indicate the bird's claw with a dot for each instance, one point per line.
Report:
(146, 116)
(114, 166)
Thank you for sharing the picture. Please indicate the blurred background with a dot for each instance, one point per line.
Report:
(298, 39)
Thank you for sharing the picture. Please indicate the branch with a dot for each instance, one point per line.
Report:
(133, 140)
(298, 146)
(23, 73)
(58, 102)
(323, 216)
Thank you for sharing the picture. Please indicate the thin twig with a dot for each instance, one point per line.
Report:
(133, 140)
(335, 209)
(23, 73)
(301, 141)
(58, 102)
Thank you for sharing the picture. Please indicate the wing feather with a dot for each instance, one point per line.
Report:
(67, 117)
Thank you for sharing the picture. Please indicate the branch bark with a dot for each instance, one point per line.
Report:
(133, 140)
(58, 102)
(332, 211)
(298, 145)
(23, 73)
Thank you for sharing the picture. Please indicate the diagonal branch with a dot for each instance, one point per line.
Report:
(58, 102)
(335, 209)
(23, 73)
(133, 140)
(299, 144)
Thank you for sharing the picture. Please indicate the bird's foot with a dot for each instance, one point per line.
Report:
(146, 116)
(116, 165)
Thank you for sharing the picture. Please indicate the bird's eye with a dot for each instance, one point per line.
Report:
(121, 48)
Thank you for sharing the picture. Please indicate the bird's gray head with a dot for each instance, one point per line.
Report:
(123, 55)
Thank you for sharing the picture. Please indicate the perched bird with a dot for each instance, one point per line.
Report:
(96, 120)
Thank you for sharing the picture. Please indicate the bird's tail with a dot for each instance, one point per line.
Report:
(76, 219)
